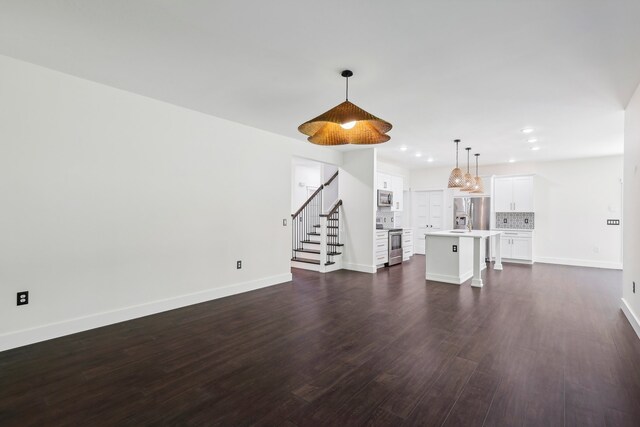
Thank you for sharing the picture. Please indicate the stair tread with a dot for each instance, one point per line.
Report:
(328, 226)
(316, 251)
(307, 260)
(317, 243)
(317, 234)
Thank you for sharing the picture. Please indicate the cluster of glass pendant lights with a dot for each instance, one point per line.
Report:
(465, 181)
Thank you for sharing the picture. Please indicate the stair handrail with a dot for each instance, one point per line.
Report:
(326, 184)
(333, 209)
(315, 193)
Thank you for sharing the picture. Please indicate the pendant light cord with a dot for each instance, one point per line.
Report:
(347, 91)
(468, 158)
(477, 164)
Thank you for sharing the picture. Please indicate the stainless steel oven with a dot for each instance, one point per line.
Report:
(395, 246)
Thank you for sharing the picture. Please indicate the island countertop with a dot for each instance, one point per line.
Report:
(476, 234)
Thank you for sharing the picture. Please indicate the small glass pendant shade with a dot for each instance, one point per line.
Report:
(468, 182)
(479, 185)
(456, 178)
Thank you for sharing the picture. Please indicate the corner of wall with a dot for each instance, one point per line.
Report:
(631, 212)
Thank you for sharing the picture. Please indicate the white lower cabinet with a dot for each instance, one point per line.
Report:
(382, 247)
(407, 244)
(517, 245)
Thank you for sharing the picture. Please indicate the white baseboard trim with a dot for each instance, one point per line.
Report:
(631, 317)
(580, 262)
(54, 330)
(521, 261)
(362, 268)
(455, 280)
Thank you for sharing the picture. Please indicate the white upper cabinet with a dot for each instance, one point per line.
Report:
(502, 194)
(384, 181)
(513, 194)
(523, 194)
(394, 184)
(397, 186)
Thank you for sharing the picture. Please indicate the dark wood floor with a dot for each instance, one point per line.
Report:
(542, 345)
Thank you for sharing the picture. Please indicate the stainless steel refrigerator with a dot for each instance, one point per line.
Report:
(474, 210)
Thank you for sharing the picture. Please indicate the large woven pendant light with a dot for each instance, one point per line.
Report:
(468, 181)
(346, 123)
(478, 186)
(456, 178)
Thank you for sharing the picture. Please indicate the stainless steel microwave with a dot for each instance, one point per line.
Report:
(385, 198)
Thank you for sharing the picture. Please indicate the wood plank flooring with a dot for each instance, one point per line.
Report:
(539, 345)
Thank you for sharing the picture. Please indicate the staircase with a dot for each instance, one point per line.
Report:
(315, 235)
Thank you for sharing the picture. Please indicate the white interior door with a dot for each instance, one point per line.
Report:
(421, 218)
(435, 210)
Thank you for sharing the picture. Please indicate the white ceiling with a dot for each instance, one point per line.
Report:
(437, 70)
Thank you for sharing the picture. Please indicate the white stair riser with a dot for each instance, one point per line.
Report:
(305, 266)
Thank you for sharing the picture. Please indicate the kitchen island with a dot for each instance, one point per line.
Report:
(454, 256)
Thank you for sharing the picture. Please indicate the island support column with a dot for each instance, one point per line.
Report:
(477, 262)
(498, 264)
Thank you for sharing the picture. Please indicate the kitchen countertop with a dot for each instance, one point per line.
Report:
(476, 234)
(529, 230)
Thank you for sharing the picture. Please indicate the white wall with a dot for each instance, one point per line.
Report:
(305, 176)
(357, 191)
(393, 169)
(573, 200)
(115, 205)
(331, 192)
(631, 300)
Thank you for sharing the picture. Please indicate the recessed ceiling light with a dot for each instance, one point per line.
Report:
(532, 140)
(403, 148)
(430, 159)
(536, 148)
(527, 130)
(418, 154)
(512, 160)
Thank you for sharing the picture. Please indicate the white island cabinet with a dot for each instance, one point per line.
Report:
(455, 256)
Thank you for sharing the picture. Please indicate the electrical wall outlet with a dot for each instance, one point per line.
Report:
(455, 248)
(23, 298)
(284, 222)
(613, 222)
(238, 265)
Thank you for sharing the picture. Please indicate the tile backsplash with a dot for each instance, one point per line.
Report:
(389, 219)
(515, 220)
